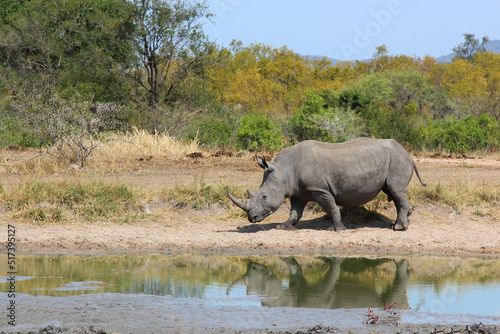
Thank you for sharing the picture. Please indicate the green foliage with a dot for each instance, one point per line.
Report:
(354, 100)
(13, 134)
(463, 135)
(258, 132)
(470, 46)
(153, 58)
(318, 120)
(385, 122)
(169, 43)
(304, 125)
(68, 44)
(395, 104)
(212, 131)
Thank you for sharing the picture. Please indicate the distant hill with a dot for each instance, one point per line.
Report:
(334, 61)
(492, 46)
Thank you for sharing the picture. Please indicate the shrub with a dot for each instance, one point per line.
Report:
(211, 131)
(463, 135)
(385, 122)
(350, 99)
(317, 120)
(258, 132)
(13, 133)
(73, 127)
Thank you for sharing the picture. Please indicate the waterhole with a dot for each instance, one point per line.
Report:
(417, 285)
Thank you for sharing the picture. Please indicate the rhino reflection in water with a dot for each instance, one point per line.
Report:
(347, 174)
(332, 290)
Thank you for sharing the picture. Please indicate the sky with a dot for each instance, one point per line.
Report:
(348, 30)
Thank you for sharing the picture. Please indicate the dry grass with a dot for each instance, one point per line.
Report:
(456, 194)
(88, 200)
(481, 154)
(112, 151)
(142, 143)
(197, 195)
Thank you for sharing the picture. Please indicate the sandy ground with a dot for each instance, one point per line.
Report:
(433, 230)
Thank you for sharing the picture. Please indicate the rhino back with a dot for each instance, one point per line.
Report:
(354, 172)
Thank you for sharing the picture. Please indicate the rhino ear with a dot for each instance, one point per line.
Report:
(262, 163)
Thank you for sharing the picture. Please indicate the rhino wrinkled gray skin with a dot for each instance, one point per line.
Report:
(347, 174)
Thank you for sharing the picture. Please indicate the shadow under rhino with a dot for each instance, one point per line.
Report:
(354, 218)
(334, 290)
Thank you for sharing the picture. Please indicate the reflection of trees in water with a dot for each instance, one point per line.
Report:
(307, 281)
(173, 287)
(333, 290)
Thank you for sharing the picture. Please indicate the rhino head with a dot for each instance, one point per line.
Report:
(265, 200)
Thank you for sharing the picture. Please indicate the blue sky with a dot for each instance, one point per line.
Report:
(352, 29)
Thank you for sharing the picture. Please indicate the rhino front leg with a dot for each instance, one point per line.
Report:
(328, 203)
(296, 210)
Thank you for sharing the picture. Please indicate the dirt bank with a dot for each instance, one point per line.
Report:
(433, 230)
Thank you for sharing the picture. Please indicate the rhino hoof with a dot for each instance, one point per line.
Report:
(285, 226)
(337, 229)
(399, 227)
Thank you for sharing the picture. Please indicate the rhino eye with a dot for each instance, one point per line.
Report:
(264, 196)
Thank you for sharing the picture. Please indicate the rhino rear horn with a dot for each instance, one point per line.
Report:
(241, 204)
(251, 193)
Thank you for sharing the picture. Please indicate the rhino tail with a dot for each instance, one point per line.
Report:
(418, 175)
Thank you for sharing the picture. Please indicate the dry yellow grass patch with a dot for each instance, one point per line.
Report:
(141, 143)
(456, 194)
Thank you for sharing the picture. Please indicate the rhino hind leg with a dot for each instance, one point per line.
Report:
(388, 193)
(328, 203)
(403, 208)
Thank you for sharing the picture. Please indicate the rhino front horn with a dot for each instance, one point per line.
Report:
(238, 202)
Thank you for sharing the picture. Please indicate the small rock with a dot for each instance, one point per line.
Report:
(195, 155)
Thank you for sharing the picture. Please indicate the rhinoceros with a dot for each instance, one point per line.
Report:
(347, 174)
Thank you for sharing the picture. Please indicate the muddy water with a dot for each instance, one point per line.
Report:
(417, 289)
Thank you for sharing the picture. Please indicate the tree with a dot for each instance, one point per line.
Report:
(71, 45)
(380, 51)
(169, 43)
(470, 46)
(71, 127)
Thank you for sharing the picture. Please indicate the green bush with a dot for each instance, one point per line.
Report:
(385, 122)
(258, 132)
(211, 132)
(13, 133)
(350, 99)
(318, 120)
(463, 135)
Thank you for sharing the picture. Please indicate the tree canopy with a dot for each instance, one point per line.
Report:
(153, 59)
